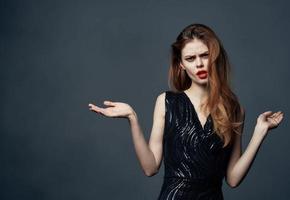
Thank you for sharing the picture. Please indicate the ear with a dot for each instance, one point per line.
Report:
(181, 66)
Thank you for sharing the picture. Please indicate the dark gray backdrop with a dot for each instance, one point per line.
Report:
(57, 56)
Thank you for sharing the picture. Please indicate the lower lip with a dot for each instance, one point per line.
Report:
(202, 76)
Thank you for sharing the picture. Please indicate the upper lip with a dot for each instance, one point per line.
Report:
(201, 72)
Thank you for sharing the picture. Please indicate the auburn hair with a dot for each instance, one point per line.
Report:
(224, 107)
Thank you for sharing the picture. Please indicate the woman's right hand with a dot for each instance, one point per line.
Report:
(115, 109)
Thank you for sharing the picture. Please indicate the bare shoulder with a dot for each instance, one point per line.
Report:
(160, 103)
(161, 96)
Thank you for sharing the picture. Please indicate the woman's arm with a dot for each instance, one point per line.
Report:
(149, 155)
(239, 163)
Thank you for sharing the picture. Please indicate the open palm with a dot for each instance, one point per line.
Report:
(114, 109)
(269, 119)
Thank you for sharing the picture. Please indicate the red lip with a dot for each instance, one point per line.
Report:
(201, 72)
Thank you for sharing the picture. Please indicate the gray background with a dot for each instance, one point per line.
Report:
(57, 56)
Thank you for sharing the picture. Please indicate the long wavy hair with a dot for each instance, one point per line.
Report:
(223, 105)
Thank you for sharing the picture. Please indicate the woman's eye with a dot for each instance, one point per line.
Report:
(204, 55)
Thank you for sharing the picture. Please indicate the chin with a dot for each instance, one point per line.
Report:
(203, 81)
(200, 81)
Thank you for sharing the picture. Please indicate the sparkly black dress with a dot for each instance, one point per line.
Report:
(194, 158)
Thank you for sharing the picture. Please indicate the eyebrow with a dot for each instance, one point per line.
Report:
(187, 56)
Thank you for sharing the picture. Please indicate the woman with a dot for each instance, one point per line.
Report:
(197, 125)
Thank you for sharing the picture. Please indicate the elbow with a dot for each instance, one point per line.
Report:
(233, 184)
(150, 173)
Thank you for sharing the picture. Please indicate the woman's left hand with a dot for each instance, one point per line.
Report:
(269, 120)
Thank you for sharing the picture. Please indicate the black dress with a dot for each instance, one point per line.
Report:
(194, 158)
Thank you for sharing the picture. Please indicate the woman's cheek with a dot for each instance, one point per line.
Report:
(191, 74)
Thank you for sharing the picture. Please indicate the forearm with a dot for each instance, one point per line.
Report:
(144, 154)
(243, 164)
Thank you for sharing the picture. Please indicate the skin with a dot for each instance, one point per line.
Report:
(194, 58)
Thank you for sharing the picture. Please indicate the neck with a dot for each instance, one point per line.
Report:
(198, 92)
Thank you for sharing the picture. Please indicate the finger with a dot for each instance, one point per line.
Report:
(275, 121)
(278, 112)
(90, 104)
(280, 117)
(96, 108)
(93, 108)
(277, 115)
(274, 115)
(109, 103)
(267, 113)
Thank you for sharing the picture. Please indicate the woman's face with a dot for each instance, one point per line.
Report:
(194, 59)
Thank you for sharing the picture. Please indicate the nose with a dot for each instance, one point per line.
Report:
(199, 62)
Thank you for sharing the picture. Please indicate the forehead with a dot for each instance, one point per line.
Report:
(193, 47)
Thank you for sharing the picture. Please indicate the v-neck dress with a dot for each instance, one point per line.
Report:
(194, 158)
